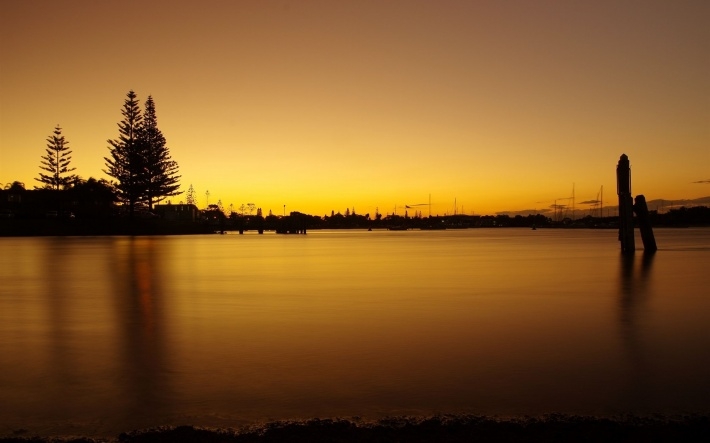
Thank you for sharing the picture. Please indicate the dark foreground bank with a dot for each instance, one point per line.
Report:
(550, 428)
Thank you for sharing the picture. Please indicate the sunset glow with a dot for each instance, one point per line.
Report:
(315, 106)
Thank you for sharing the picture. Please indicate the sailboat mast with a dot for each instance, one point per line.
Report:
(573, 217)
(601, 203)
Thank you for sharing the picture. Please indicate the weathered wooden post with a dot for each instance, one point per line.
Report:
(626, 205)
(641, 209)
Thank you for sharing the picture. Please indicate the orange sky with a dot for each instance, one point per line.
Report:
(327, 105)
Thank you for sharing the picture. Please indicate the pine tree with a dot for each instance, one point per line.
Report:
(127, 161)
(161, 179)
(191, 196)
(56, 161)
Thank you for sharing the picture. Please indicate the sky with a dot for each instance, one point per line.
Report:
(319, 106)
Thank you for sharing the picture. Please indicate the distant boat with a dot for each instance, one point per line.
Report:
(397, 228)
(433, 227)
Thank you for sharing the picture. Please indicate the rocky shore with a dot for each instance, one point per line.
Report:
(549, 428)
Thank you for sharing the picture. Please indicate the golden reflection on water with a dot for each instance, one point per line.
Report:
(140, 308)
(109, 334)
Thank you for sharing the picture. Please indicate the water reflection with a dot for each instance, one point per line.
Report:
(62, 364)
(633, 286)
(105, 335)
(633, 301)
(64, 353)
(137, 292)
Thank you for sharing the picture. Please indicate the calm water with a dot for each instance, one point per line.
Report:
(103, 335)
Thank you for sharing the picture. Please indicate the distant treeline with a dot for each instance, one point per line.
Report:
(92, 207)
(695, 216)
(681, 217)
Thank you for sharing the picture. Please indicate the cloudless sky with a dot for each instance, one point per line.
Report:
(328, 105)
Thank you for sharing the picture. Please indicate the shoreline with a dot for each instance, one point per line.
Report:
(159, 229)
(440, 428)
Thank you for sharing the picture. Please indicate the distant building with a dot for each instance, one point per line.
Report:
(180, 212)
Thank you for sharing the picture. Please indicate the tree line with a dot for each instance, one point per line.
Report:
(139, 159)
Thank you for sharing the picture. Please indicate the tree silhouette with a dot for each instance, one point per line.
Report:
(56, 161)
(92, 198)
(15, 186)
(127, 161)
(160, 175)
(191, 198)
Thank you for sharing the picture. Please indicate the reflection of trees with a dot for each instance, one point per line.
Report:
(139, 303)
(62, 358)
(74, 300)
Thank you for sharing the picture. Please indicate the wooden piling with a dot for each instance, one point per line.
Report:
(641, 209)
(626, 205)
